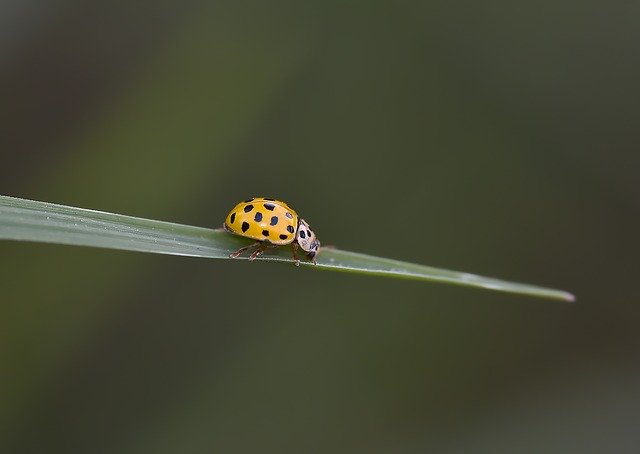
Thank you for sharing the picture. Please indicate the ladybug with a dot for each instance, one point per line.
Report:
(271, 223)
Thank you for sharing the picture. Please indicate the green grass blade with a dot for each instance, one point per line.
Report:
(28, 220)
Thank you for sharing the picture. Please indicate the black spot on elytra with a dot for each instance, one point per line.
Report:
(248, 208)
(265, 232)
(233, 217)
(302, 234)
(247, 201)
(274, 220)
(258, 217)
(289, 215)
(245, 226)
(290, 228)
(283, 237)
(273, 200)
(309, 233)
(269, 206)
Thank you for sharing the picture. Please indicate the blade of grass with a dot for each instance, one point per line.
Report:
(28, 220)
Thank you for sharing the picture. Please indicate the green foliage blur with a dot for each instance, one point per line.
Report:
(499, 138)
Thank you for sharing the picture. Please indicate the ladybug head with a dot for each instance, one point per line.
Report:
(307, 239)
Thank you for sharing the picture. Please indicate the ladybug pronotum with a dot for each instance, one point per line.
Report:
(271, 223)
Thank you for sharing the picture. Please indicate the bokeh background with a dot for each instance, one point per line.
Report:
(499, 138)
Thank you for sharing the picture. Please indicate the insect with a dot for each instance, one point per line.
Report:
(271, 223)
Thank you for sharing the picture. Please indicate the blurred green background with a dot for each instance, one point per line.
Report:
(499, 138)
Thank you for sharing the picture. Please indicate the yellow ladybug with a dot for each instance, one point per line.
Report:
(272, 223)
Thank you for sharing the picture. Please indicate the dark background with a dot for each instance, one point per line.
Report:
(499, 138)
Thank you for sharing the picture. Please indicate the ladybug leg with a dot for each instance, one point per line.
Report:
(261, 249)
(234, 255)
(294, 248)
(257, 252)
